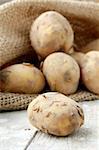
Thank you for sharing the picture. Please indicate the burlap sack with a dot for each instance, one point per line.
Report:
(16, 18)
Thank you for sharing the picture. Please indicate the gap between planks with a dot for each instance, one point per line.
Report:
(31, 140)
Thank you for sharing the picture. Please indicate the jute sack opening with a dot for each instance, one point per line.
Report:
(16, 18)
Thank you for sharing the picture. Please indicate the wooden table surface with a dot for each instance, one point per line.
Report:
(17, 134)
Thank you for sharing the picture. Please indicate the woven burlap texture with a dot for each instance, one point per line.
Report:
(13, 101)
(16, 18)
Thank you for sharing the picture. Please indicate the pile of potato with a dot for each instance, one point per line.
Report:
(60, 69)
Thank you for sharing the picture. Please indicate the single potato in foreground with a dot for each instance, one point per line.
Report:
(51, 32)
(55, 113)
(22, 78)
(62, 73)
(90, 71)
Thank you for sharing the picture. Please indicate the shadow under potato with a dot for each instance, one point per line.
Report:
(82, 133)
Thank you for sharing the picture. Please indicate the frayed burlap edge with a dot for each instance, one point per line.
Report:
(11, 101)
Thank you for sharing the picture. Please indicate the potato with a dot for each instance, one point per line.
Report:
(78, 56)
(55, 113)
(90, 71)
(51, 32)
(62, 73)
(94, 45)
(22, 78)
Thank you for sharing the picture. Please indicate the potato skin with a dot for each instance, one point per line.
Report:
(51, 32)
(22, 78)
(90, 71)
(78, 56)
(56, 114)
(61, 72)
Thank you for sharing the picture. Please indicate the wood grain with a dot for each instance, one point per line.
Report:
(15, 131)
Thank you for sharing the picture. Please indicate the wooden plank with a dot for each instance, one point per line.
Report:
(87, 138)
(4, 1)
(15, 132)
